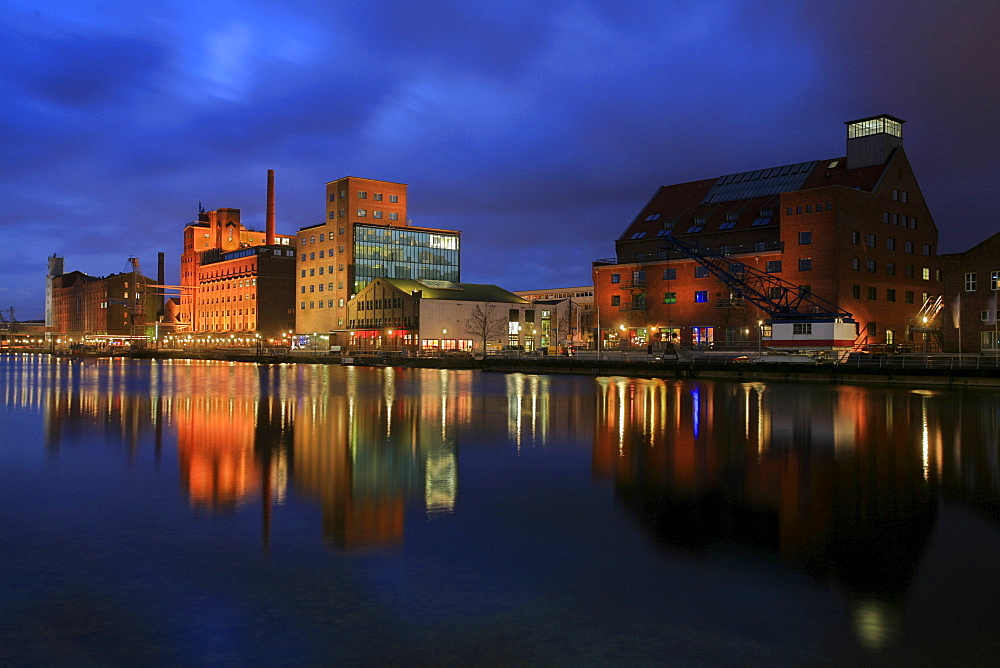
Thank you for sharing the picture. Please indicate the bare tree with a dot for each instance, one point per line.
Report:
(484, 324)
(567, 321)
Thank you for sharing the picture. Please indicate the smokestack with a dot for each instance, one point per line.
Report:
(160, 280)
(270, 208)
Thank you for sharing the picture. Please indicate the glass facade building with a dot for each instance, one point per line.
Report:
(405, 253)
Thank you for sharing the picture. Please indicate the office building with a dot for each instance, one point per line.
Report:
(366, 235)
(433, 315)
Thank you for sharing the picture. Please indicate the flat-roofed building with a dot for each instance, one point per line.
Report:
(366, 235)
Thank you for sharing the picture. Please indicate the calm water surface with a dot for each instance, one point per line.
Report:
(191, 513)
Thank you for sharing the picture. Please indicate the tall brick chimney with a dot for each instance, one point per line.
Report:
(270, 208)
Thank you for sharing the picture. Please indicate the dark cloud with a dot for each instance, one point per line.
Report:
(538, 129)
(82, 72)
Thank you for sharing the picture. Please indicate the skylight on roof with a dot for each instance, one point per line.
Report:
(439, 285)
(759, 183)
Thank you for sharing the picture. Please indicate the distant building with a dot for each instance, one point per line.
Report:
(572, 312)
(853, 230)
(366, 235)
(235, 280)
(409, 315)
(971, 287)
(116, 306)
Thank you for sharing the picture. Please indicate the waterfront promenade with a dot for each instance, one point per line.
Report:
(931, 369)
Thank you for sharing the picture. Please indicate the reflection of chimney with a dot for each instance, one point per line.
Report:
(270, 208)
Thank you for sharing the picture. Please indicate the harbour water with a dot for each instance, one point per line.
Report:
(191, 512)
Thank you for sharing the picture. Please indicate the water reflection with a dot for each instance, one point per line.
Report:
(843, 482)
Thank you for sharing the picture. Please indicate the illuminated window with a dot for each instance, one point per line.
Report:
(925, 273)
(701, 296)
(669, 297)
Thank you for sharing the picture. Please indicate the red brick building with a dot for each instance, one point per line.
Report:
(235, 280)
(972, 287)
(117, 305)
(854, 229)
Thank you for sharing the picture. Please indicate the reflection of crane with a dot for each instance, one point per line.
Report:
(799, 319)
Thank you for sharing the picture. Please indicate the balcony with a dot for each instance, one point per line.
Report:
(633, 307)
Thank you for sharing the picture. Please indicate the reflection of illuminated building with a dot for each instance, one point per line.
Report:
(215, 437)
(843, 481)
(363, 458)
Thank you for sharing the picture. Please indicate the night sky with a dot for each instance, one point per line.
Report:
(538, 129)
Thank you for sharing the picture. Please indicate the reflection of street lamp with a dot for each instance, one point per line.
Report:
(760, 334)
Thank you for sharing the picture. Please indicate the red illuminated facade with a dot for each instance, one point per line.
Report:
(236, 280)
(855, 229)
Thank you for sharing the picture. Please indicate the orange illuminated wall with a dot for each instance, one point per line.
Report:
(215, 439)
(226, 294)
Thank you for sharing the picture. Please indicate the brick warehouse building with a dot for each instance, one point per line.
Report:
(120, 305)
(366, 235)
(235, 280)
(854, 230)
(972, 286)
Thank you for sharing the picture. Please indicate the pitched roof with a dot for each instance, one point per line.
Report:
(472, 292)
(678, 208)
